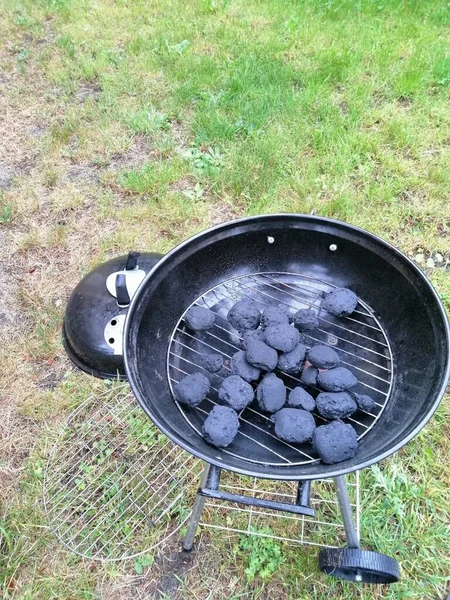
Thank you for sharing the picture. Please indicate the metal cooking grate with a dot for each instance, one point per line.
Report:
(114, 486)
(359, 339)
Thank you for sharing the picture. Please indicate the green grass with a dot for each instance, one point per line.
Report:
(135, 124)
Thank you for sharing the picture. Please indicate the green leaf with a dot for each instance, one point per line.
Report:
(142, 562)
(138, 567)
(181, 47)
(147, 561)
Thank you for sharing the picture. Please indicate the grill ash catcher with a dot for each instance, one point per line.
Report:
(396, 342)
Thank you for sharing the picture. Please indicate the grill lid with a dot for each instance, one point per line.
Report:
(95, 314)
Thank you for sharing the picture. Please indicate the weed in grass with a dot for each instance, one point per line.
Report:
(23, 55)
(140, 434)
(262, 555)
(6, 213)
(147, 121)
(205, 161)
(179, 48)
(196, 193)
(142, 563)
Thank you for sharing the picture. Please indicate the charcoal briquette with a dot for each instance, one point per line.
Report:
(335, 442)
(261, 355)
(365, 402)
(271, 393)
(240, 366)
(292, 362)
(282, 337)
(212, 362)
(335, 405)
(341, 302)
(323, 357)
(199, 318)
(294, 425)
(274, 315)
(253, 334)
(299, 398)
(236, 392)
(306, 319)
(309, 376)
(244, 315)
(336, 380)
(192, 389)
(221, 426)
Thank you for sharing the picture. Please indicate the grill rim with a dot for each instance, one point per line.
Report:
(179, 252)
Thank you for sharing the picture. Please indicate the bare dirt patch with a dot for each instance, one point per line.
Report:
(220, 212)
(163, 580)
(88, 90)
(413, 197)
(137, 154)
(181, 133)
(183, 185)
(17, 155)
(6, 176)
(9, 301)
(404, 102)
(83, 173)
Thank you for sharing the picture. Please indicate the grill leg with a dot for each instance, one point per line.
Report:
(197, 509)
(346, 512)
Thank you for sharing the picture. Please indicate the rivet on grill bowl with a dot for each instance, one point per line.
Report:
(270, 239)
(333, 247)
(332, 340)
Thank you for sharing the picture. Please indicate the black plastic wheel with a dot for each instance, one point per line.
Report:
(359, 565)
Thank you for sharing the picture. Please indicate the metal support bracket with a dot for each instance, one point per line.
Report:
(209, 488)
(301, 506)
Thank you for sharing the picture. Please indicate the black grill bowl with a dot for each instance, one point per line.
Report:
(402, 299)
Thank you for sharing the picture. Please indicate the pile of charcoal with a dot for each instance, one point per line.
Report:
(275, 339)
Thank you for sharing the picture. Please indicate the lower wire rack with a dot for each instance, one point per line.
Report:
(325, 529)
(115, 488)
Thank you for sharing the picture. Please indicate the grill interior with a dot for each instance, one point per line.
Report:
(359, 339)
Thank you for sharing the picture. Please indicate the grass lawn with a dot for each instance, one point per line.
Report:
(132, 124)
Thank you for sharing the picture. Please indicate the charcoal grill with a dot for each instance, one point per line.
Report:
(397, 342)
